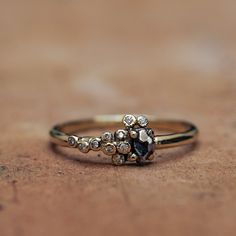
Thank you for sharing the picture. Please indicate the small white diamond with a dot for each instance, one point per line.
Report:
(109, 149)
(124, 147)
(129, 120)
(72, 141)
(107, 137)
(142, 121)
(95, 143)
(118, 159)
(121, 134)
(83, 146)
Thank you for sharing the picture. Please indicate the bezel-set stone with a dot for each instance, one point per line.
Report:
(143, 146)
(142, 121)
(118, 159)
(72, 140)
(109, 149)
(123, 147)
(129, 120)
(95, 144)
(107, 137)
(121, 134)
(83, 146)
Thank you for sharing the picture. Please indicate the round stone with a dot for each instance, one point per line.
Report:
(83, 146)
(95, 144)
(72, 141)
(142, 121)
(121, 134)
(118, 159)
(129, 120)
(109, 149)
(107, 137)
(124, 147)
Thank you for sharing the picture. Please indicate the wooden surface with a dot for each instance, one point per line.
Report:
(62, 60)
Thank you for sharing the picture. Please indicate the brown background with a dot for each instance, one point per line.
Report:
(62, 60)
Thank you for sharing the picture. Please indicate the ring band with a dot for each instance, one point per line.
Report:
(136, 141)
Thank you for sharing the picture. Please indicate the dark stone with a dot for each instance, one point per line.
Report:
(142, 150)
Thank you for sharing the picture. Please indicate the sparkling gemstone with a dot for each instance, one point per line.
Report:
(143, 145)
(129, 120)
(83, 146)
(107, 137)
(118, 159)
(142, 121)
(95, 143)
(72, 140)
(144, 136)
(109, 149)
(121, 134)
(124, 147)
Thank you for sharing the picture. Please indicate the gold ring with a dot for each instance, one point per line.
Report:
(135, 142)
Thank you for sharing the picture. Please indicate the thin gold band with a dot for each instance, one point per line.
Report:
(179, 132)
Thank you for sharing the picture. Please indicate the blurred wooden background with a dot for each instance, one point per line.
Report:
(62, 60)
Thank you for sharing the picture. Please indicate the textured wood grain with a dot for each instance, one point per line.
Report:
(62, 60)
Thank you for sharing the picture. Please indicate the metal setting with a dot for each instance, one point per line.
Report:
(135, 142)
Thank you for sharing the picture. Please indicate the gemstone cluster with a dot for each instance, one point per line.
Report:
(133, 143)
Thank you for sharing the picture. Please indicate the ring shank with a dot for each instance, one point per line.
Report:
(179, 132)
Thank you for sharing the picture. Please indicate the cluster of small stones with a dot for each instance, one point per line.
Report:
(140, 140)
(134, 143)
(84, 144)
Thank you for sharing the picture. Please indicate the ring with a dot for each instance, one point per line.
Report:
(134, 142)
